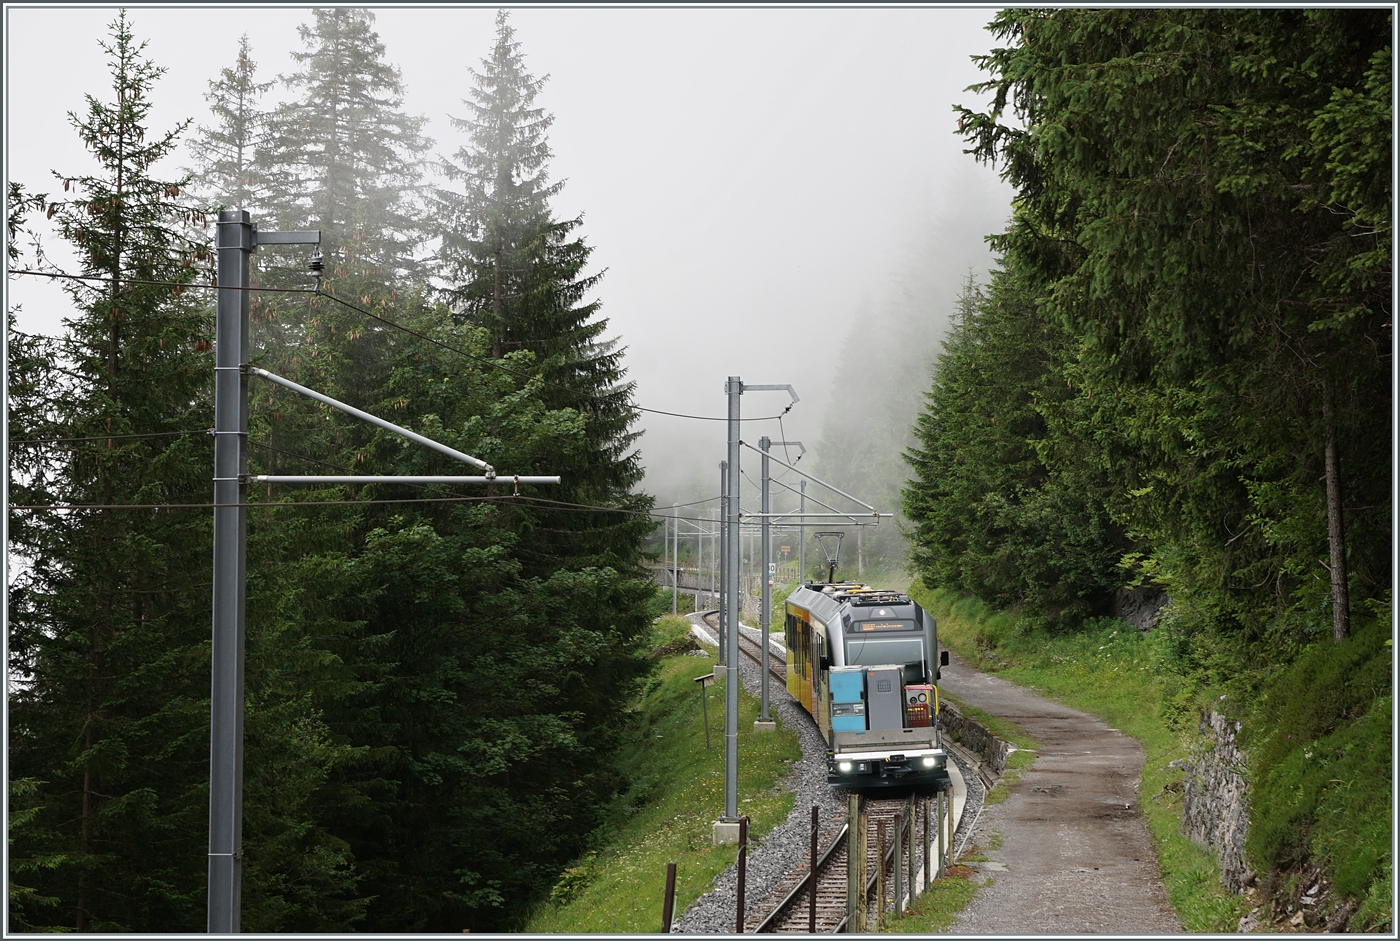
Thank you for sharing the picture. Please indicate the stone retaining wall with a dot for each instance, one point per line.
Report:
(1215, 809)
(974, 735)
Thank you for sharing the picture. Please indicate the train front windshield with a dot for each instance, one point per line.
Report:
(863, 651)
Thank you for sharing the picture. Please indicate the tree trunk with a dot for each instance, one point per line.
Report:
(1336, 540)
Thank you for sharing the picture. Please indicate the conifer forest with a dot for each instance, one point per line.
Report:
(1174, 381)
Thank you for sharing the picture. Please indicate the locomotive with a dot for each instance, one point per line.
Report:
(863, 662)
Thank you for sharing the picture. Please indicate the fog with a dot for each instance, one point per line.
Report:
(761, 186)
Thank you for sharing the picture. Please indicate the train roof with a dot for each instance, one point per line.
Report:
(827, 599)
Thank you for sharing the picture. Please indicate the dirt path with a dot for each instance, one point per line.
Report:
(1075, 856)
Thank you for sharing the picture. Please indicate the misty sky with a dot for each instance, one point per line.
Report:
(752, 180)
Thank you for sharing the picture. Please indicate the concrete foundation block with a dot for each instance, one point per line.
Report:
(726, 833)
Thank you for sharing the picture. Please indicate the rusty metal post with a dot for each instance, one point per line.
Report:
(951, 831)
(913, 818)
(852, 868)
(812, 891)
(862, 873)
(928, 846)
(669, 905)
(899, 865)
(880, 845)
(940, 847)
(743, 871)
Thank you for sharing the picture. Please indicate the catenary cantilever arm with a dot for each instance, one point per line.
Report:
(750, 387)
(815, 480)
(375, 420)
(391, 479)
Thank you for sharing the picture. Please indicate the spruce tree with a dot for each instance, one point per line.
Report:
(1204, 204)
(225, 153)
(109, 738)
(342, 156)
(1003, 505)
(494, 643)
(517, 272)
(113, 627)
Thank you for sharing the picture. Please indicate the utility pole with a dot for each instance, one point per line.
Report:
(723, 629)
(802, 536)
(726, 829)
(764, 723)
(675, 556)
(699, 562)
(237, 240)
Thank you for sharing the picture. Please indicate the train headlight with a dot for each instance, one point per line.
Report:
(844, 767)
(930, 761)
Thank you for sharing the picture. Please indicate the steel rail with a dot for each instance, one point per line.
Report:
(770, 923)
(754, 651)
(872, 881)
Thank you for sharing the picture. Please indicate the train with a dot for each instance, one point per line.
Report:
(864, 663)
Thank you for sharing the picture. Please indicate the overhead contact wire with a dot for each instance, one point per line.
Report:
(397, 326)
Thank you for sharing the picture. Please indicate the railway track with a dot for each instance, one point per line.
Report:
(752, 649)
(788, 908)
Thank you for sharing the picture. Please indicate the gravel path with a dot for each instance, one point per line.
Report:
(787, 845)
(1075, 856)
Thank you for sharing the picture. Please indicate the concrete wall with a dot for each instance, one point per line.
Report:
(1215, 811)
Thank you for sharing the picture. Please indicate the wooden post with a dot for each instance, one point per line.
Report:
(668, 906)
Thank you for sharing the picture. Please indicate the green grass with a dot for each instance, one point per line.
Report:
(674, 795)
(1321, 761)
(1111, 671)
(934, 911)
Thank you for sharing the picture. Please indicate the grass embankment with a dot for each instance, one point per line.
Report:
(674, 794)
(1112, 671)
(1321, 771)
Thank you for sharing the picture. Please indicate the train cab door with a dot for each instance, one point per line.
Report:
(821, 710)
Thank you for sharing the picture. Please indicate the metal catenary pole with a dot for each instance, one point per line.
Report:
(237, 239)
(734, 388)
(675, 557)
(723, 657)
(766, 595)
(766, 573)
(235, 245)
(714, 561)
(699, 561)
(802, 537)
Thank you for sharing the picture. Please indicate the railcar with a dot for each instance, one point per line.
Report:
(864, 663)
